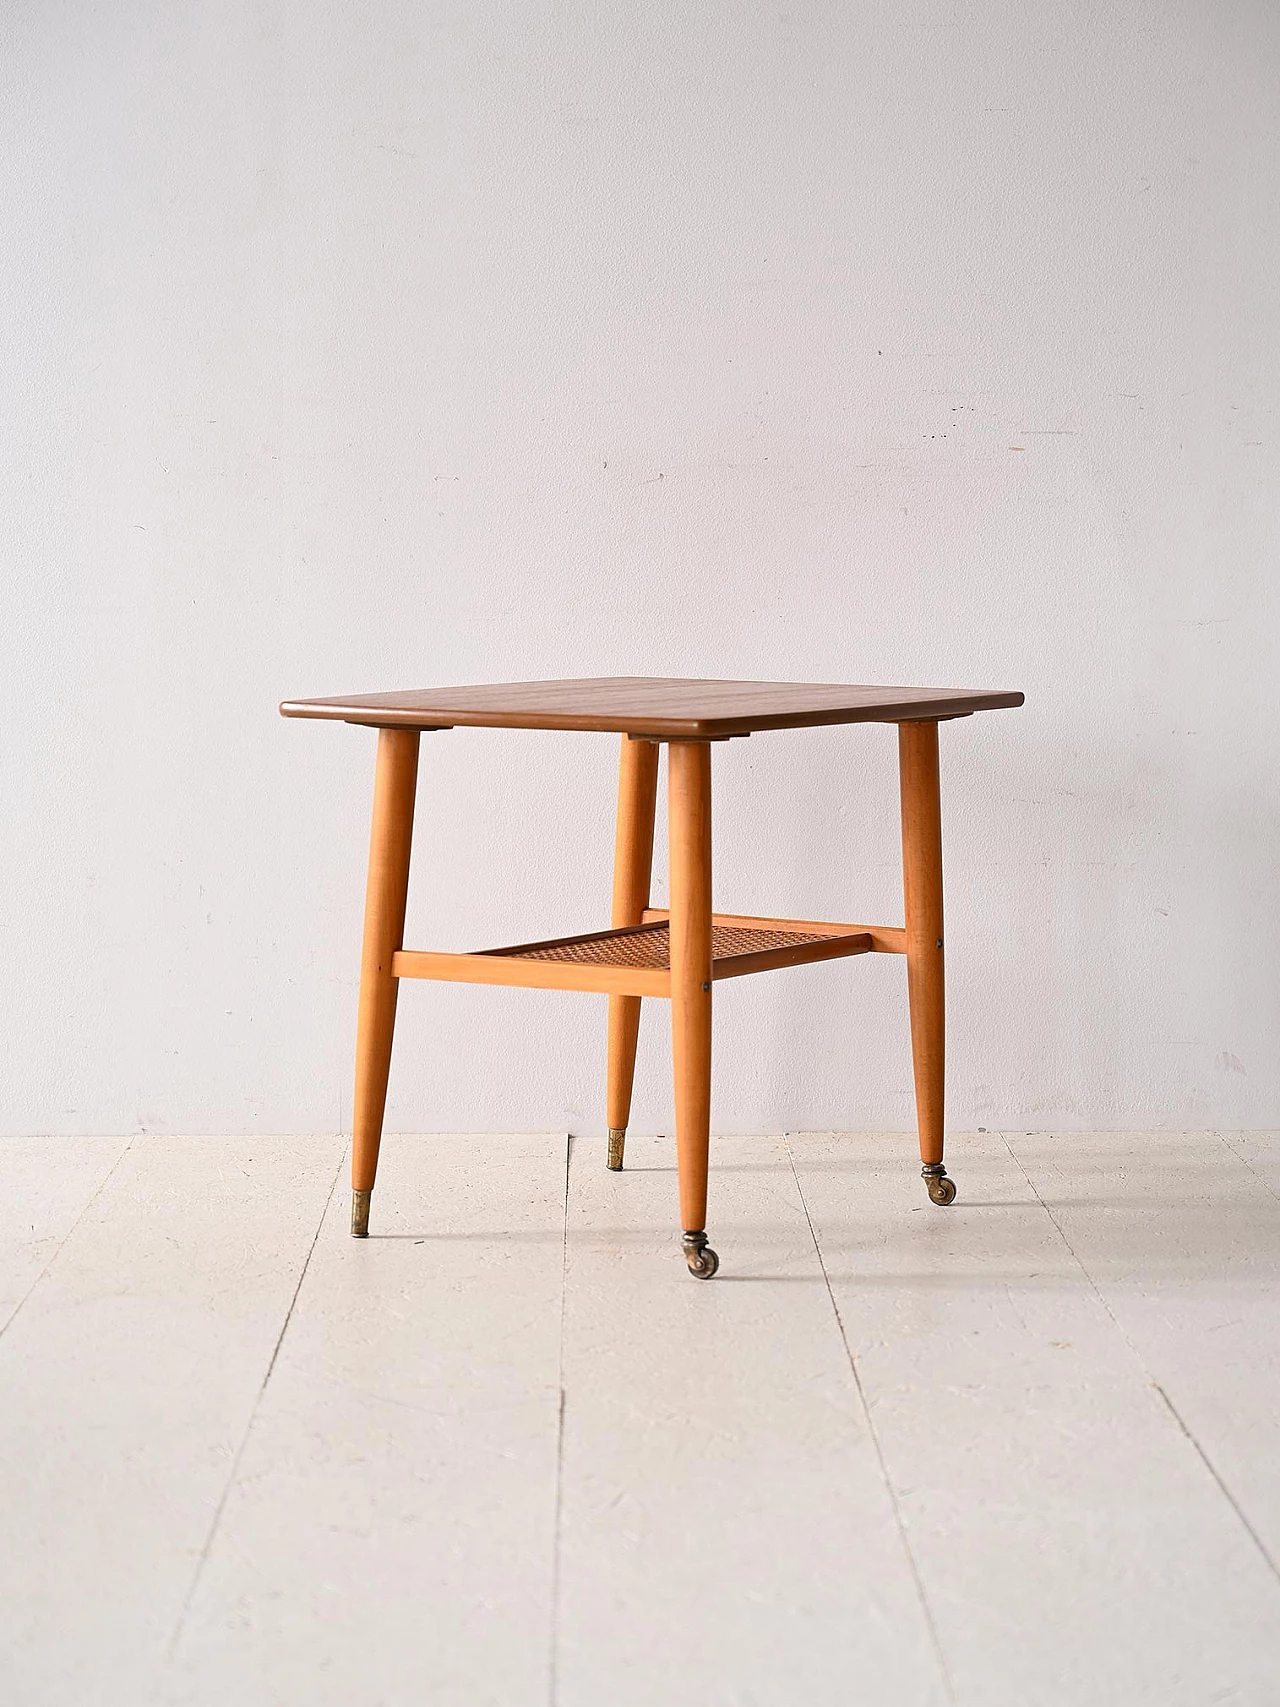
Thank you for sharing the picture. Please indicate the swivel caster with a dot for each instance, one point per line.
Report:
(702, 1260)
(941, 1189)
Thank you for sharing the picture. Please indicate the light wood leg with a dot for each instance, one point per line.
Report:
(689, 784)
(632, 868)
(390, 841)
(922, 893)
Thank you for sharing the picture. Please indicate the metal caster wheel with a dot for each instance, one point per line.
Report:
(941, 1189)
(617, 1144)
(702, 1260)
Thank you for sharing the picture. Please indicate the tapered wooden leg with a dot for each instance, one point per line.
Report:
(689, 783)
(922, 892)
(632, 868)
(390, 840)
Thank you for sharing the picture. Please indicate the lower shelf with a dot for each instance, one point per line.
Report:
(636, 961)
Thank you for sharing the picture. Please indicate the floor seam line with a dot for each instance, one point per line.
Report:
(101, 1186)
(1244, 1162)
(912, 1563)
(553, 1679)
(221, 1507)
(1208, 1463)
(1141, 1361)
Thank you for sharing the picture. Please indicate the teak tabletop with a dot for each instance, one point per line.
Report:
(665, 707)
(678, 952)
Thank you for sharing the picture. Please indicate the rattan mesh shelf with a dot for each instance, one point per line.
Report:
(650, 946)
(636, 960)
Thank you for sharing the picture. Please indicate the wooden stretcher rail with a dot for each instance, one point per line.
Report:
(799, 954)
(490, 968)
(885, 939)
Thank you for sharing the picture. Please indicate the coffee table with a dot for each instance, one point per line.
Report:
(678, 952)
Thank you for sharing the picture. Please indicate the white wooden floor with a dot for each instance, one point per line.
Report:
(1025, 1450)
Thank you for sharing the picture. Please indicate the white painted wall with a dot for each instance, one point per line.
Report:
(362, 346)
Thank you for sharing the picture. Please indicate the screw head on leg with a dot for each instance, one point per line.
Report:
(360, 1214)
(617, 1143)
(941, 1189)
(702, 1260)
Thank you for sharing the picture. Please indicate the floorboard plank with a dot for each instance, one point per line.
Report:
(128, 1379)
(1072, 1546)
(1182, 1242)
(389, 1536)
(46, 1184)
(727, 1535)
(1071, 1377)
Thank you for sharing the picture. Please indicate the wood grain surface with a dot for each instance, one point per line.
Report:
(658, 706)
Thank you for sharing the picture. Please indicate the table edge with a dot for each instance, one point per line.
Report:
(687, 728)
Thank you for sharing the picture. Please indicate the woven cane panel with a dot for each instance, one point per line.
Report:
(651, 949)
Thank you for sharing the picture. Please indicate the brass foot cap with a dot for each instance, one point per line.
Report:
(360, 1214)
(617, 1143)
